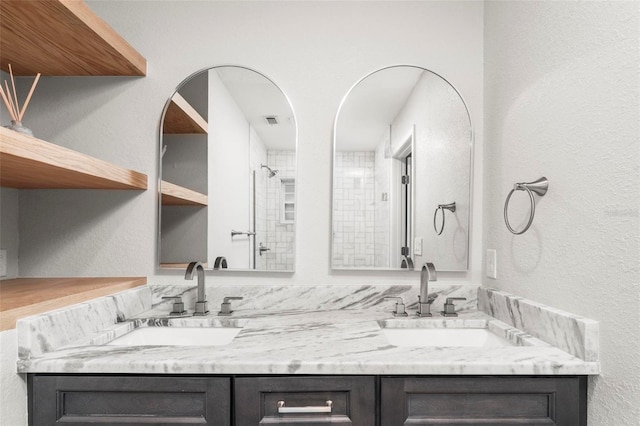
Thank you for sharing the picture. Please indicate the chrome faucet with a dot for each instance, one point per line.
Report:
(427, 274)
(201, 300)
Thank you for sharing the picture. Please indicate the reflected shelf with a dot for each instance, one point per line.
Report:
(182, 118)
(175, 195)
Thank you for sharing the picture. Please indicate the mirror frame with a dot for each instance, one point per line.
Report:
(159, 176)
(413, 213)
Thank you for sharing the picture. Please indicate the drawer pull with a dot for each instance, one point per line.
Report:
(301, 410)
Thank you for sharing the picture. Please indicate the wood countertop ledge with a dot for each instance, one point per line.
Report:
(22, 297)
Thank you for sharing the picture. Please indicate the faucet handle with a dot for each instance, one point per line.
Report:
(400, 306)
(450, 308)
(225, 307)
(178, 305)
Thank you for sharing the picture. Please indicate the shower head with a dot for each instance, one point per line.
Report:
(272, 172)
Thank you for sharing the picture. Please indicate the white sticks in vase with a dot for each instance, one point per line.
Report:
(10, 98)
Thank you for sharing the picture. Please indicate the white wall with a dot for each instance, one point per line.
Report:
(562, 100)
(438, 120)
(229, 177)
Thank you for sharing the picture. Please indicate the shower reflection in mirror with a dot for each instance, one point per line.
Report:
(402, 144)
(240, 161)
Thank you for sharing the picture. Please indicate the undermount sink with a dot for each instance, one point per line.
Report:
(178, 336)
(442, 337)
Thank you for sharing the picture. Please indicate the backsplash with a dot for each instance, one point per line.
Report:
(50, 331)
(259, 299)
(574, 334)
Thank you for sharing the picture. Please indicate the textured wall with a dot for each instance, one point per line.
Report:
(13, 391)
(562, 100)
(9, 238)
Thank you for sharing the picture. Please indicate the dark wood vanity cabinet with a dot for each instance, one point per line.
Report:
(307, 400)
(457, 401)
(312, 400)
(131, 400)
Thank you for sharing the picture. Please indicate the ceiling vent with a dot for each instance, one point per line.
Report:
(271, 120)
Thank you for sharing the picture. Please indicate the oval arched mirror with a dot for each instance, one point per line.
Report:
(228, 173)
(401, 173)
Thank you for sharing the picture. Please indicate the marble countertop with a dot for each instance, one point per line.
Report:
(342, 337)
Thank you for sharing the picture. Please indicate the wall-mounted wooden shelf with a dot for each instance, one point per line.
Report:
(31, 163)
(182, 118)
(175, 195)
(63, 37)
(22, 297)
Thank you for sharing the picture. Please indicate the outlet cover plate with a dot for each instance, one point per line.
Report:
(492, 266)
(417, 246)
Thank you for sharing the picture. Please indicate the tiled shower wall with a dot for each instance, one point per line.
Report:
(382, 199)
(354, 210)
(280, 236)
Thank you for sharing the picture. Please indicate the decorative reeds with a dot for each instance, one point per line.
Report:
(10, 98)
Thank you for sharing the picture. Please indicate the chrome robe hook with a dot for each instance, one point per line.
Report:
(540, 187)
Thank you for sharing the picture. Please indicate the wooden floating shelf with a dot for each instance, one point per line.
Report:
(175, 195)
(63, 38)
(182, 118)
(22, 297)
(31, 163)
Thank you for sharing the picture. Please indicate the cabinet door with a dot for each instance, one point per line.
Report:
(305, 400)
(131, 400)
(454, 401)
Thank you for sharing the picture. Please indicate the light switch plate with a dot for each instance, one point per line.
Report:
(3, 263)
(492, 266)
(417, 246)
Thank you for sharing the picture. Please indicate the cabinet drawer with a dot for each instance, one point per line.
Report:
(303, 400)
(454, 401)
(131, 400)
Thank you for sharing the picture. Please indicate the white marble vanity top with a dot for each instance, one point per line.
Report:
(293, 331)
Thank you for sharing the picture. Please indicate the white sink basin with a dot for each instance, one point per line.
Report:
(178, 336)
(444, 337)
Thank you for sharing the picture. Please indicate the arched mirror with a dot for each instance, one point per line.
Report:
(401, 173)
(228, 173)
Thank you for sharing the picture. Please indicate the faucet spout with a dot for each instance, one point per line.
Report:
(428, 273)
(201, 298)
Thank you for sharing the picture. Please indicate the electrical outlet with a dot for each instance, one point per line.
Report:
(3, 263)
(417, 246)
(492, 264)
